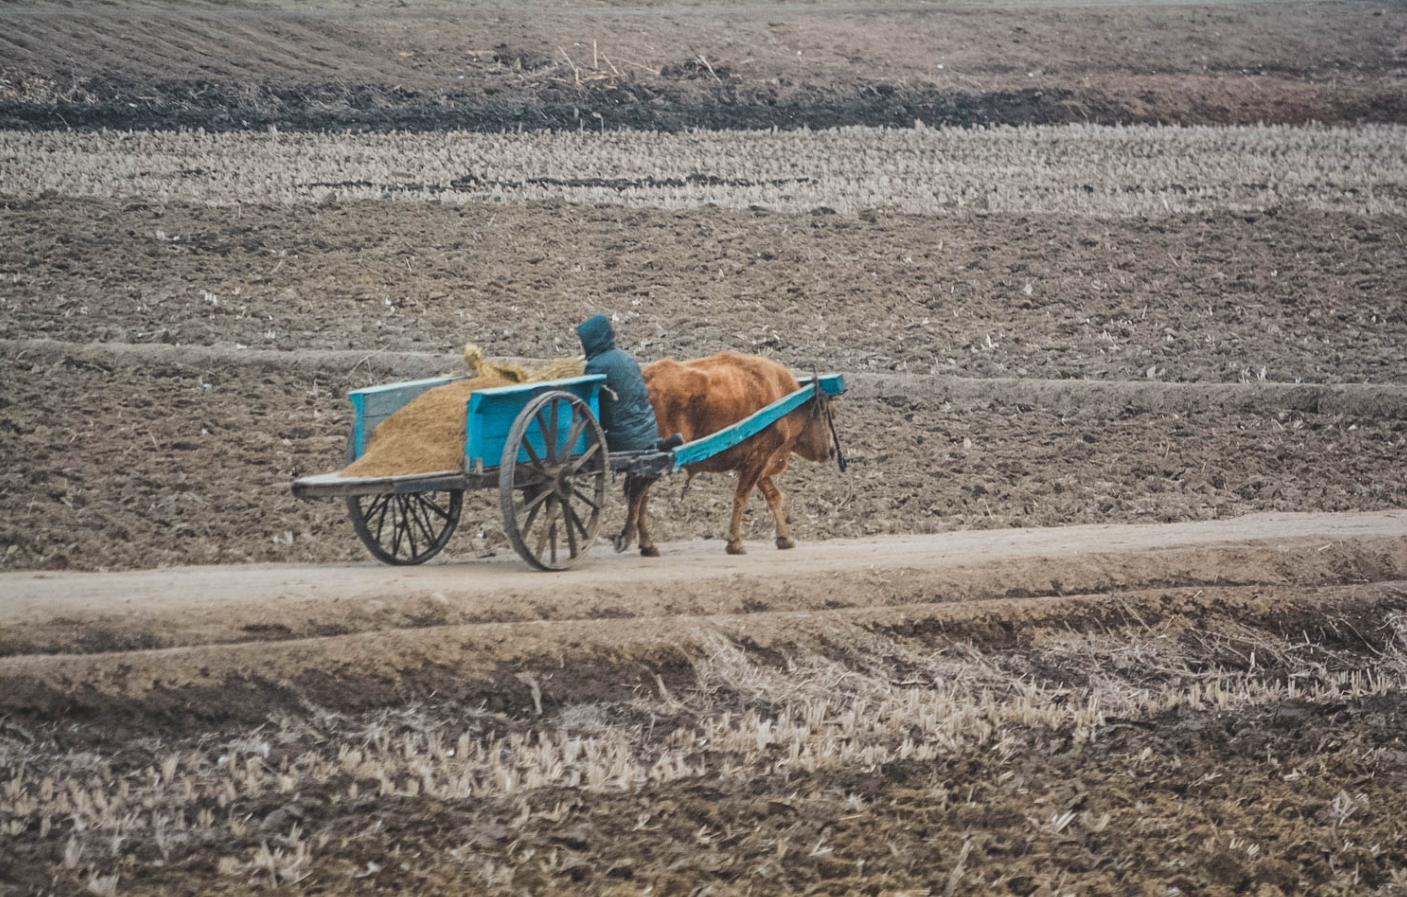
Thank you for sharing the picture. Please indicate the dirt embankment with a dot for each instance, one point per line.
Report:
(225, 67)
(194, 606)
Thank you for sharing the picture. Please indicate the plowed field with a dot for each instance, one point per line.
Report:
(1112, 600)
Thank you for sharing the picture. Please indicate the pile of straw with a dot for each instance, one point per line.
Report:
(427, 435)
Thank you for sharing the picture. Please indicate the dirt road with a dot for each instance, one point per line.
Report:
(244, 592)
(146, 631)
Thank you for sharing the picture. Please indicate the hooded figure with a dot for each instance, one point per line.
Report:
(627, 417)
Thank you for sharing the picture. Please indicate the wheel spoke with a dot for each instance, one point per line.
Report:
(553, 413)
(537, 500)
(578, 424)
(407, 522)
(531, 509)
(396, 526)
(430, 528)
(568, 518)
(585, 456)
(529, 475)
(574, 519)
(532, 452)
(548, 526)
(379, 508)
(422, 519)
(430, 504)
(542, 426)
(584, 497)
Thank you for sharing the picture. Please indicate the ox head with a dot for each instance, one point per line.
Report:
(819, 441)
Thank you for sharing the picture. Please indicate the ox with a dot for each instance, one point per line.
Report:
(700, 397)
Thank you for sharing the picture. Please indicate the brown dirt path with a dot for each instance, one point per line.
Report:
(615, 583)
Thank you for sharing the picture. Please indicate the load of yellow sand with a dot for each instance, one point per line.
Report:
(427, 434)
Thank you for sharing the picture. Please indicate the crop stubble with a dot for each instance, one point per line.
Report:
(1073, 169)
(1120, 739)
(1217, 739)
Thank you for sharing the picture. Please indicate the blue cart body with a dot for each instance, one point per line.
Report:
(489, 415)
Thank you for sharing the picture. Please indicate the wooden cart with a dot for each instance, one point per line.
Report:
(540, 444)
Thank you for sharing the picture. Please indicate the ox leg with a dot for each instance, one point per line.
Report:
(747, 481)
(634, 491)
(647, 542)
(777, 505)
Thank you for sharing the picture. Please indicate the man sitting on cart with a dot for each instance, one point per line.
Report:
(626, 414)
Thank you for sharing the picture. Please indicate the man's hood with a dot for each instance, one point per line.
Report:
(596, 335)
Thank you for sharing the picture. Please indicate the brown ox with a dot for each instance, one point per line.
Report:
(700, 397)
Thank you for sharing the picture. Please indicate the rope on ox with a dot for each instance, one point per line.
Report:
(824, 404)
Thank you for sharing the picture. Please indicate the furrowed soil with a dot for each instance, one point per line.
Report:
(1289, 295)
(192, 464)
(1113, 599)
(427, 66)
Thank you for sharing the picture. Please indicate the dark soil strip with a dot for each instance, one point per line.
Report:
(379, 108)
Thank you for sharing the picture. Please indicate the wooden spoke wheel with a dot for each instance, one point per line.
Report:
(406, 528)
(552, 481)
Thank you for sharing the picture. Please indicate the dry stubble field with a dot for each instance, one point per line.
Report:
(1053, 326)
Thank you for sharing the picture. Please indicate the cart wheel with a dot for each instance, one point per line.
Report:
(408, 528)
(552, 499)
(404, 529)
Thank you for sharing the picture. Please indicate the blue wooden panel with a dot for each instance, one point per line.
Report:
(726, 438)
(831, 384)
(491, 413)
(376, 403)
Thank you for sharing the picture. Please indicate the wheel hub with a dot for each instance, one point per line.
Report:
(562, 482)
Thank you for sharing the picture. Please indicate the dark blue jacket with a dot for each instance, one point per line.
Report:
(628, 418)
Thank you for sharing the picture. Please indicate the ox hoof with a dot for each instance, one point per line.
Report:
(736, 548)
(786, 542)
(620, 543)
(649, 551)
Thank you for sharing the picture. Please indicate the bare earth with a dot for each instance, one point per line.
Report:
(1112, 602)
(1033, 705)
(427, 65)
